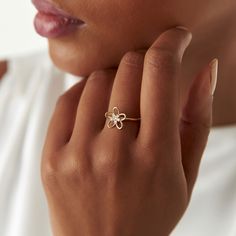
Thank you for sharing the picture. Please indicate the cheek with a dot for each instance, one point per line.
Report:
(96, 47)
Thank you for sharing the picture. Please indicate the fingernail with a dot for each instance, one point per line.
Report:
(186, 30)
(182, 28)
(188, 37)
(214, 74)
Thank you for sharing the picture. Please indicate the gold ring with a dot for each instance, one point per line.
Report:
(116, 118)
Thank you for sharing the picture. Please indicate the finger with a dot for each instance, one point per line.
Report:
(93, 104)
(126, 94)
(196, 121)
(160, 86)
(62, 121)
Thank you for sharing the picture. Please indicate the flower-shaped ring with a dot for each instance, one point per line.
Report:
(116, 118)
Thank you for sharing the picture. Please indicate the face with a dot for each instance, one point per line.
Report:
(115, 27)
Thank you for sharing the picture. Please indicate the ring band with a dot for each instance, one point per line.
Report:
(116, 118)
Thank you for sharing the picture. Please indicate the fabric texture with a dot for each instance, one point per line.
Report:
(28, 94)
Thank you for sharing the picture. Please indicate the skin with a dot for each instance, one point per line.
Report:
(101, 181)
(95, 183)
(211, 22)
(111, 25)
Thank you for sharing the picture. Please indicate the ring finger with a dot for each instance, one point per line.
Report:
(125, 95)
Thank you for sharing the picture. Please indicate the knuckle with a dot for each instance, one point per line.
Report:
(197, 126)
(161, 58)
(73, 172)
(49, 172)
(149, 163)
(100, 74)
(146, 146)
(107, 161)
(74, 169)
(64, 99)
(134, 59)
(153, 156)
(107, 164)
(146, 155)
(68, 169)
(71, 95)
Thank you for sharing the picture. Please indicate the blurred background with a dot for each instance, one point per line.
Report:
(16, 26)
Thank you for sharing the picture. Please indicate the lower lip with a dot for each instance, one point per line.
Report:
(53, 26)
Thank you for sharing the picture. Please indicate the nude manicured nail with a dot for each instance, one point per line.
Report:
(214, 74)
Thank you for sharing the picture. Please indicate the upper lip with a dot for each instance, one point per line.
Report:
(48, 7)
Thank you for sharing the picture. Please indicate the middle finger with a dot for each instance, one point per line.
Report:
(161, 85)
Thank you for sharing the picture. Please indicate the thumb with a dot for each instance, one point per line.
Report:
(196, 121)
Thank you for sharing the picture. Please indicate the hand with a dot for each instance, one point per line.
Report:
(135, 181)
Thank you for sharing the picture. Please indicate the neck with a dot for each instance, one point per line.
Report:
(216, 40)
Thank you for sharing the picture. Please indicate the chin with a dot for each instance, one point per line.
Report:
(82, 61)
(72, 64)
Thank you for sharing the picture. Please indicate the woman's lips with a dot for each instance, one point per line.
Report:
(52, 22)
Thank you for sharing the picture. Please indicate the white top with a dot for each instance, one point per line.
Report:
(28, 93)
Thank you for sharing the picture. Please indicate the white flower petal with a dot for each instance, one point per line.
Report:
(111, 124)
(119, 125)
(116, 111)
(122, 116)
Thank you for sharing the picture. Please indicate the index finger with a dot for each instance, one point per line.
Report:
(160, 98)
